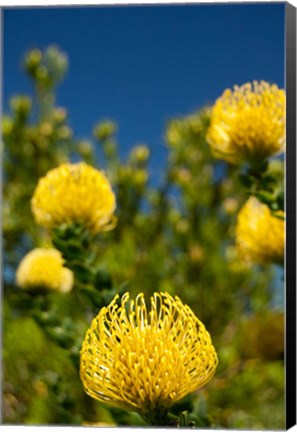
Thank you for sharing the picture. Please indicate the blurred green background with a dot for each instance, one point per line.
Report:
(174, 235)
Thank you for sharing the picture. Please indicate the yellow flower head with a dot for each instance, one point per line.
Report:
(74, 193)
(146, 360)
(43, 268)
(248, 123)
(260, 236)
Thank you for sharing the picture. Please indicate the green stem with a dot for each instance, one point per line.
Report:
(156, 418)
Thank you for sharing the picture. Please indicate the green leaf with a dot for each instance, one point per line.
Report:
(60, 336)
(102, 279)
(246, 180)
(82, 271)
(48, 318)
(92, 297)
(183, 419)
(197, 420)
(265, 197)
(281, 200)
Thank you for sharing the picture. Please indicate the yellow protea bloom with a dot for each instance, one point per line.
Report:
(260, 236)
(43, 268)
(74, 193)
(146, 360)
(248, 123)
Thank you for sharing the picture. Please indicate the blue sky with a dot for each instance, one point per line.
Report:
(142, 66)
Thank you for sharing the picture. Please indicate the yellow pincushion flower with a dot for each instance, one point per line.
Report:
(260, 236)
(43, 268)
(74, 193)
(248, 123)
(146, 360)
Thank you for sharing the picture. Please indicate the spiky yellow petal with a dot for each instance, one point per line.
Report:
(43, 268)
(248, 123)
(146, 360)
(260, 236)
(74, 193)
